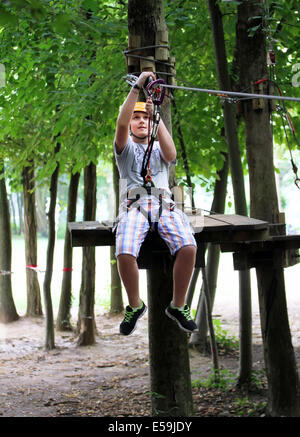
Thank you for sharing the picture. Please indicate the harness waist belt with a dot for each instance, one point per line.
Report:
(139, 192)
(160, 193)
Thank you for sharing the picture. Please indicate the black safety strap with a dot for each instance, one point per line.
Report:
(146, 214)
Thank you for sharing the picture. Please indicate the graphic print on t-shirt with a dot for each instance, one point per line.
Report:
(156, 164)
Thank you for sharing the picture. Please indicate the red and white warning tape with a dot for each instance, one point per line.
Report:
(5, 272)
(34, 268)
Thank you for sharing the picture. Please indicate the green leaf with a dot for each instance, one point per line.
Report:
(61, 24)
(90, 4)
(6, 18)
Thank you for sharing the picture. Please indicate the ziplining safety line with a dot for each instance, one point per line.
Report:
(220, 93)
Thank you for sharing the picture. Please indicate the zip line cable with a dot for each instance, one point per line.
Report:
(234, 96)
(129, 54)
(224, 94)
(220, 93)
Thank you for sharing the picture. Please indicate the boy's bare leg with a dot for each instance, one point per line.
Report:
(129, 274)
(182, 273)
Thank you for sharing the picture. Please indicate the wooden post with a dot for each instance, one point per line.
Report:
(147, 64)
(281, 366)
(171, 393)
(169, 359)
(134, 42)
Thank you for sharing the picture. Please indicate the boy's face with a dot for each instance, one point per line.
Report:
(139, 124)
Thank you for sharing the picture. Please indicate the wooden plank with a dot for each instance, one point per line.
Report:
(90, 234)
(239, 221)
(206, 222)
(275, 257)
(86, 225)
(219, 228)
(283, 242)
(213, 228)
(287, 238)
(220, 222)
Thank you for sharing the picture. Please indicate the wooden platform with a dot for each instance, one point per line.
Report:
(208, 228)
(277, 251)
(213, 228)
(249, 239)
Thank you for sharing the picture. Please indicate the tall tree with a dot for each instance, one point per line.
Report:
(8, 312)
(116, 299)
(284, 399)
(86, 319)
(237, 177)
(49, 339)
(198, 339)
(34, 305)
(169, 361)
(63, 320)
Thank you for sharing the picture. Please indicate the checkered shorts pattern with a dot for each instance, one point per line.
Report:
(133, 225)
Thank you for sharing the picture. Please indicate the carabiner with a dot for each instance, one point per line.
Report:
(156, 92)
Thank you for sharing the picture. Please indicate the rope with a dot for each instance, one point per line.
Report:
(240, 95)
(220, 93)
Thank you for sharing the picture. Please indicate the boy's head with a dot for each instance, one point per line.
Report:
(139, 121)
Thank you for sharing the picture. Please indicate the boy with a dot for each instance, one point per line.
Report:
(130, 146)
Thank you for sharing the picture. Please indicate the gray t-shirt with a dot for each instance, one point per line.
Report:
(130, 161)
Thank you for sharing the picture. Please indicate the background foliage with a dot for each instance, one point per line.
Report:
(64, 67)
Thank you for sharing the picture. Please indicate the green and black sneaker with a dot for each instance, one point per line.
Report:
(131, 317)
(182, 317)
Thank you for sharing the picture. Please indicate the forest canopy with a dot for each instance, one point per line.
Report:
(64, 69)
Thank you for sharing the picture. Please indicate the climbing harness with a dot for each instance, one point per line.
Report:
(134, 195)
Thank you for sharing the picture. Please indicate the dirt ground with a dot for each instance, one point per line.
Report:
(111, 378)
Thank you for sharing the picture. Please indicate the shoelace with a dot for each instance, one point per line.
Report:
(186, 313)
(128, 315)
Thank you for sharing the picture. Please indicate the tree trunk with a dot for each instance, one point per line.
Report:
(63, 321)
(34, 304)
(49, 341)
(199, 339)
(183, 152)
(283, 380)
(8, 312)
(237, 176)
(86, 322)
(116, 299)
(171, 393)
(20, 210)
(42, 222)
(169, 360)
(13, 213)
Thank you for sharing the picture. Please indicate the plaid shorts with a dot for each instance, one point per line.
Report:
(135, 221)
